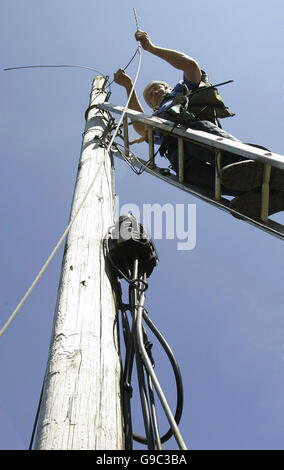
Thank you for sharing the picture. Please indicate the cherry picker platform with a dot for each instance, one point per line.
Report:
(218, 145)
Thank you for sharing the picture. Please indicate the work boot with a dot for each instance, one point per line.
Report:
(248, 175)
(249, 204)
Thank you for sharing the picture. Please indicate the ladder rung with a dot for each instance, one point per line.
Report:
(218, 144)
(270, 226)
(200, 137)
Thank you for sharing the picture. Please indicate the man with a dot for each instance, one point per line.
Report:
(200, 107)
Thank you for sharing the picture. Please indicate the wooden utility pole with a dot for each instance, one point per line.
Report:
(81, 404)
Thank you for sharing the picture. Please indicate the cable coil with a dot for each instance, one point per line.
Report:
(132, 256)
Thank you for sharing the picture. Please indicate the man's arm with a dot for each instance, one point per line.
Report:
(177, 59)
(121, 78)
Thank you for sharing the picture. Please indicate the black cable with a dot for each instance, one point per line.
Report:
(134, 55)
(136, 286)
(178, 379)
(134, 291)
(126, 159)
(36, 418)
(127, 387)
(60, 66)
(143, 166)
(75, 66)
(203, 88)
(107, 254)
(151, 426)
(176, 369)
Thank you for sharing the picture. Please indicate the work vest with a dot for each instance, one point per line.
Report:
(202, 103)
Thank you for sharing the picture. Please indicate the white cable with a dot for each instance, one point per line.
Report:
(136, 18)
(46, 264)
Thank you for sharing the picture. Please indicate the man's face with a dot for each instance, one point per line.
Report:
(156, 94)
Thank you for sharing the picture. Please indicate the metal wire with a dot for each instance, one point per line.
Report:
(28, 293)
(62, 238)
(138, 347)
(153, 376)
(60, 65)
(136, 19)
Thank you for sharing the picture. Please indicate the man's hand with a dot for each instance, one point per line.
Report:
(144, 39)
(177, 59)
(121, 78)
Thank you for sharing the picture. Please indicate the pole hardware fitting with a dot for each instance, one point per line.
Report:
(129, 389)
(126, 241)
(131, 255)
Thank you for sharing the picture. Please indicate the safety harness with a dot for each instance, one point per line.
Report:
(204, 103)
(185, 106)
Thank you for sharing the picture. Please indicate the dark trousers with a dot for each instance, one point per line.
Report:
(199, 162)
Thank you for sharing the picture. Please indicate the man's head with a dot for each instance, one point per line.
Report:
(155, 92)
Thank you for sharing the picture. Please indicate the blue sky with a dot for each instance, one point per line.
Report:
(220, 306)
